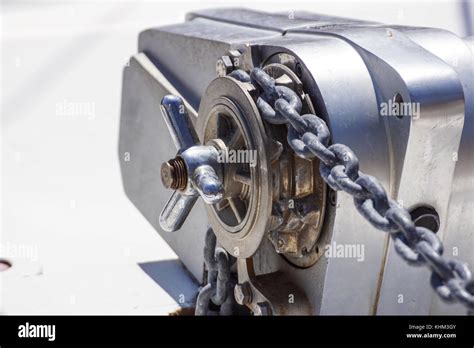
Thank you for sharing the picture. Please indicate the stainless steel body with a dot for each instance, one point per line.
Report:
(347, 68)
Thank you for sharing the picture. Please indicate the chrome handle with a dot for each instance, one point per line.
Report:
(175, 211)
(179, 124)
(194, 172)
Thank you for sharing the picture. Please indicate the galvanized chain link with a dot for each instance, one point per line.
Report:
(308, 136)
(218, 287)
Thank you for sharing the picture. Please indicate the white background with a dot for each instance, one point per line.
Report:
(76, 243)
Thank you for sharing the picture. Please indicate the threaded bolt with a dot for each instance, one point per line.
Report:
(174, 174)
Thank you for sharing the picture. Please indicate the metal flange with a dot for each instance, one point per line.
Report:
(228, 112)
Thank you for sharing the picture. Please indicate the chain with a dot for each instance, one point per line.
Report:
(308, 136)
(213, 298)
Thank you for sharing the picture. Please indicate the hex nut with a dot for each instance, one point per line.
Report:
(235, 56)
(224, 66)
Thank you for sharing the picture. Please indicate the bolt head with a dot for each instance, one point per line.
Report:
(224, 66)
(167, 175)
